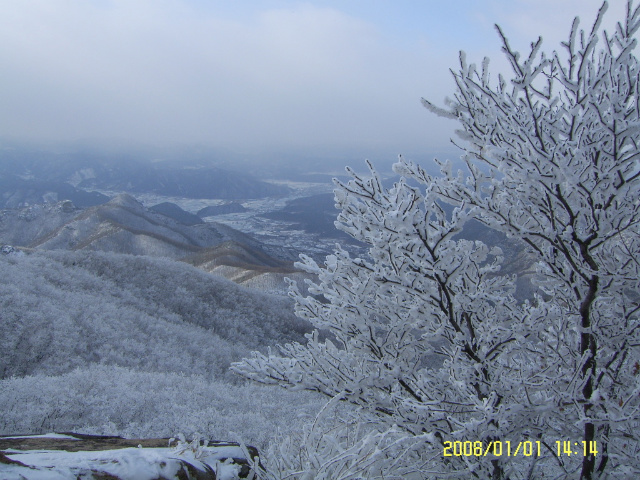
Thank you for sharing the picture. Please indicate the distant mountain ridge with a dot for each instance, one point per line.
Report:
(134, 175)
(203, 182)
(174, 211)
(17, 192)
(124, 225)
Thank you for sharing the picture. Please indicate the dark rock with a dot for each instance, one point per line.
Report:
(67, 206)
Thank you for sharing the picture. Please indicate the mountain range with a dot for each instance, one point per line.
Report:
(124, 225)
(29, 177)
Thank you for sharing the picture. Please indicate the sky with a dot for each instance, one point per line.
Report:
(255, 75)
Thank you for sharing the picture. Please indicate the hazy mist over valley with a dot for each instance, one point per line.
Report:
(195, 231)
(103, 251)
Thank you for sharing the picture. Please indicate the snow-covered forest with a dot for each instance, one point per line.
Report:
(136, 346)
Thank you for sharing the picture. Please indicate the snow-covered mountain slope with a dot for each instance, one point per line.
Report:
(61, 310)
(128, 345)
(123, 225)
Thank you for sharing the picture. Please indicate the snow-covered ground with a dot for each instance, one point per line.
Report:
(123, 464)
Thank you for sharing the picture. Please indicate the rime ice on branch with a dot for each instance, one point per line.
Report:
(552, 160)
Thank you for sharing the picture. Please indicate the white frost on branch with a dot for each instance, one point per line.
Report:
(425, 334)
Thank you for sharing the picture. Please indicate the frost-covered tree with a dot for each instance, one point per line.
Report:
(426, 335)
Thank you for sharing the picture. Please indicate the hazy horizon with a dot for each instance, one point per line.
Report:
(257, 78)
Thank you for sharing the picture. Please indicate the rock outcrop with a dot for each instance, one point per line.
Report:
(74, 456)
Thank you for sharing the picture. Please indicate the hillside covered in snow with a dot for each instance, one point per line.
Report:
(118, 344)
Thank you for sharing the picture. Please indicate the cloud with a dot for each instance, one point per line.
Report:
(169, 71)
(247, 78)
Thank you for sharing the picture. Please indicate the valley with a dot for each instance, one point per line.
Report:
(121, 315)
(135, 210)
(124, 301)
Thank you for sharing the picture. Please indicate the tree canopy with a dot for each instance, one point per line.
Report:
(427, 339)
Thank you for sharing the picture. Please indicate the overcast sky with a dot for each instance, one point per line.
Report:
(257, 74)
